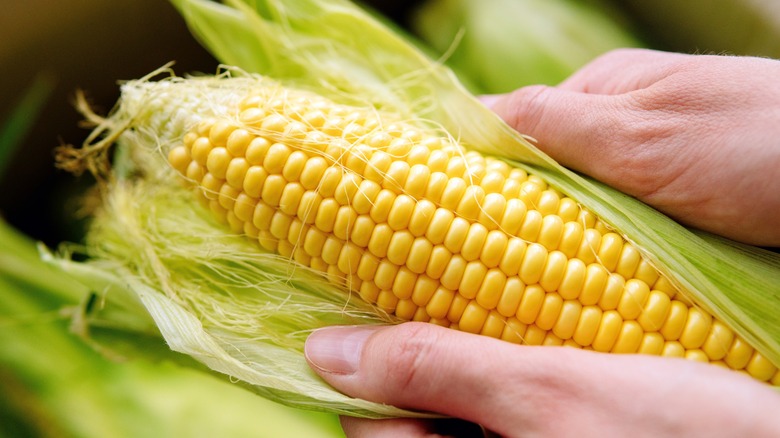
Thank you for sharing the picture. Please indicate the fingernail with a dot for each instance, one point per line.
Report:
(337, 350)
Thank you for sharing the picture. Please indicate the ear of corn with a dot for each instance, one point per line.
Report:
(378, 193)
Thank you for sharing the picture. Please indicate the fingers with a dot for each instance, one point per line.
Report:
(622, 71)
(537, 390)
(586, 132)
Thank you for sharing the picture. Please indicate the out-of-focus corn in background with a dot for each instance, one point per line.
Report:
(49, 49)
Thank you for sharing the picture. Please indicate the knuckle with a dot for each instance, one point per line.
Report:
(409, 352)
(525, 108)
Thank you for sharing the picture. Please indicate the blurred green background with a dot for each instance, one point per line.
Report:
(54, 384)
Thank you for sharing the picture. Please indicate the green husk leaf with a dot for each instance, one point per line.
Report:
(217, 297)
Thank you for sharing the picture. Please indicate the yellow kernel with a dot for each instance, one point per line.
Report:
(403, 283)
(589, 245)
(629, 338)
(396, 176)
(452, 194)
(331, 250)
(220, 132)
(760, 367)
(646, 272)
(675, 321)
(436, 185)
(491, 211)
(530, 304)
(325, 219)
(293, 168)
(419, 155)
(369, 292)
(312, 172)
(628, 261)
(532, 225)
(440, 257)
(739, 354)
(655, 310)
(551, 309)
(252, 116)
(513, 331)
(210, 186)
(511, 189)
(400, 212)
(201, 148)
(633, 299)
(439, 225)
(456, 234)
(612, 292)
(417, 181)
(548, 203)
(473, 318)
(533, 263)
(553, 271)
(349, 258)
(405, 309)
(567, 321)
(280, 225)
(179, 158)
(384, 201)
(534, 335)
(470, 204)
(345, 220)
(587, 325)
(272, 189)
(664, 285)
(514, 216)
(291, 198)
(473, 276)
(261, 218)
(652, 343)
(440, 302)
(493, 182)
(244, 207)
(195, 172)
(421, 217)
(377, 167)
(697, 326)
(399, 247)
(330, 180)
(513, 256)
(493, 248)
(697, 355)
(367, 267)
(308, 206)
(227, 196)
(257, 150)
(364, 197)
(568, 210)
(380, 240)
(347, 188)
(456, 167)
(596, 277)
(718, 341)
(387, 301)
(510, 297)
(362, 230)
(571, 238)
(494, 325)
(551, 340)
(551, 232)
(419, 254)
(609, 250)
(673, 349)
(276, 158)
(491, 289)
(608, 331)
(453, 273)
(423, 291)
(457, 307)
(474, 242)
(573, 279)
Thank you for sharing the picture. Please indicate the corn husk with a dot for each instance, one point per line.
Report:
(217, 298)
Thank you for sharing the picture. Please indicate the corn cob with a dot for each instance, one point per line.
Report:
(429, 231)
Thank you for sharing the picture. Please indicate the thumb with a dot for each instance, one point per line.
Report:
(425, 367)
(590, 133)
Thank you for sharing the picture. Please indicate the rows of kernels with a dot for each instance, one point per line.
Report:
(430, 233)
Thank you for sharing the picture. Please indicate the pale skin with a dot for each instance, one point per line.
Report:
(698, 137)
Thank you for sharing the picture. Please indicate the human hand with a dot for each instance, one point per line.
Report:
(697, 137)
(515, 390)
